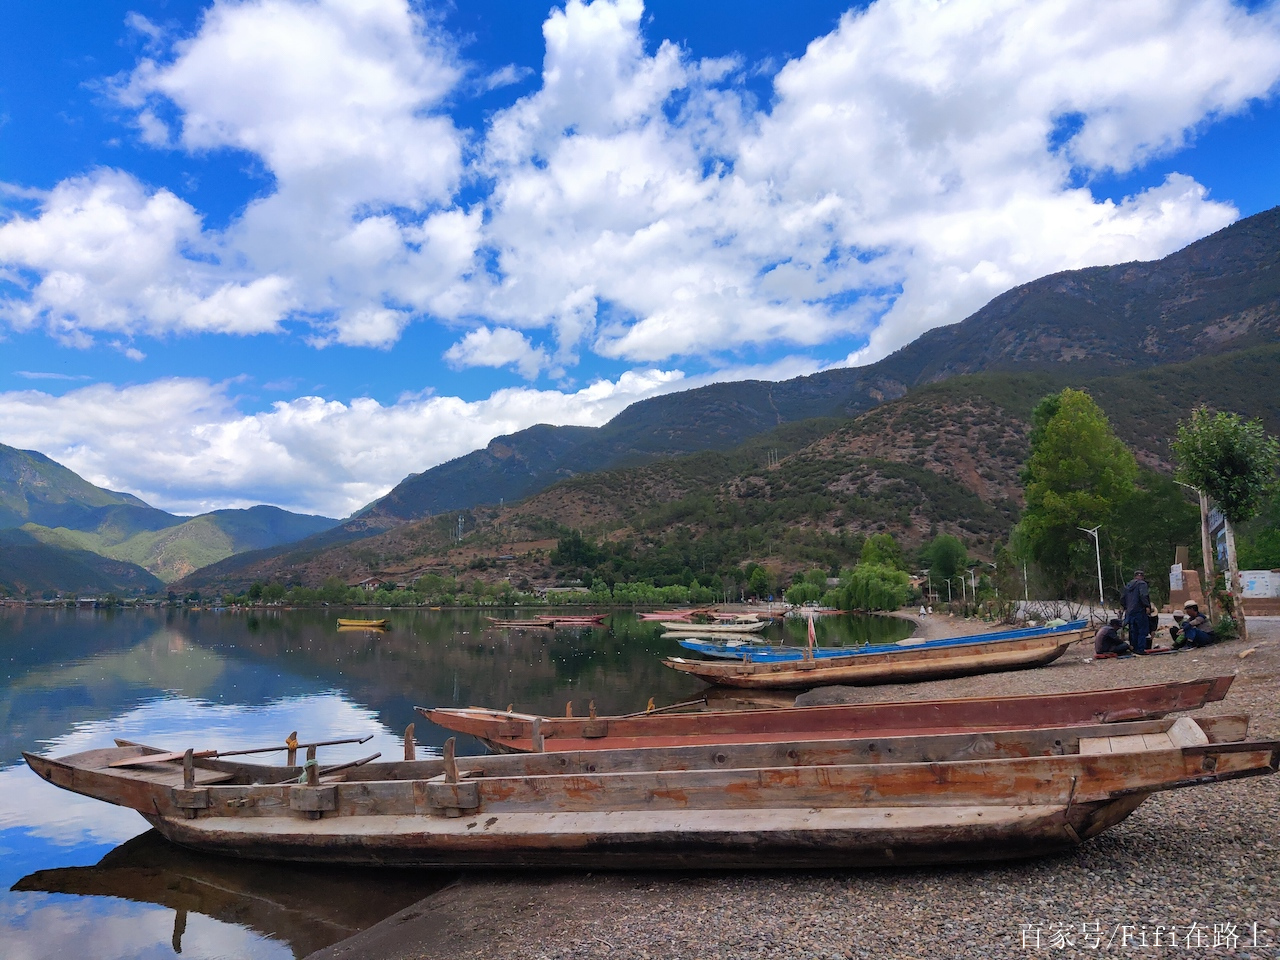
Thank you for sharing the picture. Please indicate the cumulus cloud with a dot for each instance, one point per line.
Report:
(104, 254)
(309, 454)
(498, 348)
(915, 161)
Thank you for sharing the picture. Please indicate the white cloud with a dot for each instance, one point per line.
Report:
(103, 254)
(637, 204)
(309, 454)
(500, 347)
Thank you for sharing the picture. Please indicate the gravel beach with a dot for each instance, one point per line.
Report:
(1200, 867)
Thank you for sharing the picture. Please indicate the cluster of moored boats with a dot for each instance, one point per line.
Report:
(852, 785)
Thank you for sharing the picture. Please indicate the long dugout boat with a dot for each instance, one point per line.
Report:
(508, 732)
(934, 660)
(869, 802)
(758, 652)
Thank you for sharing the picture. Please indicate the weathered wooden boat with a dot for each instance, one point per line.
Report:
(521, 624)
(778, 653)
(368, 624)
(933, 660)
(508, 732)
(591, 620)
(881, 801)
(744, 625)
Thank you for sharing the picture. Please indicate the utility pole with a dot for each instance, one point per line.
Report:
(1097, 552)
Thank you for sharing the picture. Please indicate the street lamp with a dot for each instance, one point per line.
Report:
(1097, 552)
(948, 590)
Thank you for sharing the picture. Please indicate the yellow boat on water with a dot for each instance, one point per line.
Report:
(369, 624)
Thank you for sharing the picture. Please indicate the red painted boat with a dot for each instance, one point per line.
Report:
(518, 732)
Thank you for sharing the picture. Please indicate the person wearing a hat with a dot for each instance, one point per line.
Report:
(1137, 611)
(1193, 627)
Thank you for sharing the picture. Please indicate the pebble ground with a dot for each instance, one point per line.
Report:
(1208, 856)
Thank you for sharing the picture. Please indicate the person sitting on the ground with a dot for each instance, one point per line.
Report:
(1108, 640)
(1137, 611)
(1194, 628)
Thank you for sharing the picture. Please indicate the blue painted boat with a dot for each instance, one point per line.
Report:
(756, 652)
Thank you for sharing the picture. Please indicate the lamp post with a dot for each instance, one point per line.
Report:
(1097, 552)
(948, 590)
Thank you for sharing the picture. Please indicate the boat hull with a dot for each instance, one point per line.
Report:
(773, 838)
(961, 797)
(899, 666)
(509, 732)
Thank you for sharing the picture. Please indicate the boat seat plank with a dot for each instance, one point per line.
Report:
(1185, 732)
(1094, 745)
(172, 777)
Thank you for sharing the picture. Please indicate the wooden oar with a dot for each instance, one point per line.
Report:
(209, 754)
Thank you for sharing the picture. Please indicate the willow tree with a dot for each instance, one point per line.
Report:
(1079, 475)
(1234, 462)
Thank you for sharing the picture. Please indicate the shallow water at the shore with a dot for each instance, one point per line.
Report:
(77, 679)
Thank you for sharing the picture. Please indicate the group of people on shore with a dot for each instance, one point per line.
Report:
(1142, 622)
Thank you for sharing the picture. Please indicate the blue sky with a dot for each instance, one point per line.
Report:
(290, 251)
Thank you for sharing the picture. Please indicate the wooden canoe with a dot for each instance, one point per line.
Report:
(523, 624)
(706, 629)
(870, 802)
(593, 620)
(887, 665)
(760, 652)
(370, 624)
(513, 732)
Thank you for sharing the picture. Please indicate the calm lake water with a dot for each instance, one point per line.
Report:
(84, 879)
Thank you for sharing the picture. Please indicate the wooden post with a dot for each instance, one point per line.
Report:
(568, 710)
(1206, 548)
(313, 768)
(539, 744)
(1233, 579)
(591, 709)
(291, 743)
(450, 761)
(410, 748)
(189, 769)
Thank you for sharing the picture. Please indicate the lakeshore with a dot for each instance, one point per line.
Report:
(1182, 865)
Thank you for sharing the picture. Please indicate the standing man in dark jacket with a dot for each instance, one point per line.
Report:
(1137, 609)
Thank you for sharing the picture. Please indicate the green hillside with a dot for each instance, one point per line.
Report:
(176, 551)
(31, 568)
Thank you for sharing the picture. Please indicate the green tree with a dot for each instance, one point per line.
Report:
(758, 583)
(881, 548)
(1233, 461)
(946, 556)
(874, 586)
(1079, 475)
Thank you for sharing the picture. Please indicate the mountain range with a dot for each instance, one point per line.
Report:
(62, 533)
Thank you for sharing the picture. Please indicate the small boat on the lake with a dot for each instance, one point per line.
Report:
(521, 624)
(780, 653)
(889, 663)
(864, 802)
(586, 620)
(366, 624)
(508, 732)
(742, 624)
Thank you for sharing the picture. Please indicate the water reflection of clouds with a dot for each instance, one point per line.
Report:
(27, 802)
(41, 927)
